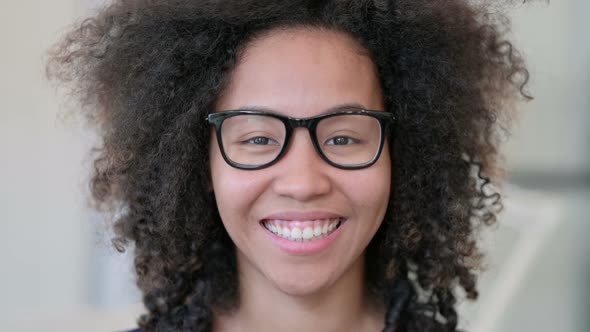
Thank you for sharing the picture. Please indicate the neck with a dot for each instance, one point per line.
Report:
(341, 307)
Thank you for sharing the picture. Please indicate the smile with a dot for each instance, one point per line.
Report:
(304, 230)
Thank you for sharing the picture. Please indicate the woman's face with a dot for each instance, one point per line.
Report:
(301, 73)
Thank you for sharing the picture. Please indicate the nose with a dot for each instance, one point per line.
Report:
(302, 174)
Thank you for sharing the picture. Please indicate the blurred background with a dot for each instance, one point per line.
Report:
(59, 272)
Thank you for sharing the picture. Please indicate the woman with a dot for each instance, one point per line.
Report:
(296, 165)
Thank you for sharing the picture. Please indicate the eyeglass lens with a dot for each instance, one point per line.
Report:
(346, 139)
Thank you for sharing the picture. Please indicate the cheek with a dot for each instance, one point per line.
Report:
(371, 189)
(371, 192)
(235, 190)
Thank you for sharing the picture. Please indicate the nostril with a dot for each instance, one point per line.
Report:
(301, 182)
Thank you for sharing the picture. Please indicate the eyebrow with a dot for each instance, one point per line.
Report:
(339, 107)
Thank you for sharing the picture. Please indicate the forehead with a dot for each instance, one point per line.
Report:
(302, 72)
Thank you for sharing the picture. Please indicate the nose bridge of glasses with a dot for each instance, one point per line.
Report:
(308, 123)
(306, 129)
(297, 123)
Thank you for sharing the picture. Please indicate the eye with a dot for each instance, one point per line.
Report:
(341, 140)
(260, 140)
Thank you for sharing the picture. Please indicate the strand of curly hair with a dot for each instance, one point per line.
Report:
(147, 72)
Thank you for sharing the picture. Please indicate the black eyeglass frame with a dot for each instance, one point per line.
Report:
(386, 121)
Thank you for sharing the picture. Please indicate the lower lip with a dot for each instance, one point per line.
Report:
(303, 248)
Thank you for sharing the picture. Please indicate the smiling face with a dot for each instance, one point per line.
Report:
(301, 73)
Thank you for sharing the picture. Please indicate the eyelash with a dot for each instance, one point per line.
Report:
(251, 140)
(349, 141)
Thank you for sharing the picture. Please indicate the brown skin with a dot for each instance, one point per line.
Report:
(147, 73)
(302, 73)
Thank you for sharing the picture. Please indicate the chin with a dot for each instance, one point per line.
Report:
(299, 289)
(300, 284)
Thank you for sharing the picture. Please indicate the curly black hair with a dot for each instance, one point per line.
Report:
(146, 73)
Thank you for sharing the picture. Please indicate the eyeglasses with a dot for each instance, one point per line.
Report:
(348, 139)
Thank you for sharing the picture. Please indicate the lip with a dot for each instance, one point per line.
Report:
(302, 215)
(303, 248)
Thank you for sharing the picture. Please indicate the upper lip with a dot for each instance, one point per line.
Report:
(302, 215)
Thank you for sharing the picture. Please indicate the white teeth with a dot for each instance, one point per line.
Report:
(286, 232)
(307, 233)
(296, 234)
(317, 231)
(312, 231)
